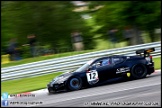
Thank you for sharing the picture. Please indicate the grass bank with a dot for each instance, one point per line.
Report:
(27, 84)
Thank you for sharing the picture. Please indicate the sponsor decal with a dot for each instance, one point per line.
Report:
(121, 70)
(92, 77)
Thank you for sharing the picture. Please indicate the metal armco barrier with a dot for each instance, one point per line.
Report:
(69, 63)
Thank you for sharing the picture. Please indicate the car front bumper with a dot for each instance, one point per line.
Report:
(55, 87)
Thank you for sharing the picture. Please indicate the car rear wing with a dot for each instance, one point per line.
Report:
(145, 52)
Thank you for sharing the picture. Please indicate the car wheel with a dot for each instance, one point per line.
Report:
(139, 71)
(75, 83)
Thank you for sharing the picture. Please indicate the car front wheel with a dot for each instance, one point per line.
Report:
(74, 83)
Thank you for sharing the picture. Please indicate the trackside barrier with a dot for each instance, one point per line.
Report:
(69, 63)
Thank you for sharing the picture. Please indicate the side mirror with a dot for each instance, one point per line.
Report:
(98, 63)
(91, 67)
(88, 69)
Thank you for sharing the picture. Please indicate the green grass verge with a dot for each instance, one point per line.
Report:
(157, 62)
(40, 82)
(27, 84)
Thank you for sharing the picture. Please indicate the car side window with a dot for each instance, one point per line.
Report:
(102, 62)
(96, 64)
(105, 62)
(117, 60)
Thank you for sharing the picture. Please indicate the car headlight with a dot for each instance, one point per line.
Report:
(60, 79)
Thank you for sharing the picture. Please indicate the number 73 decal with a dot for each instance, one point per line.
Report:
(92, 77)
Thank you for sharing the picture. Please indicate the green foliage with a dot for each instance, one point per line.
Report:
(51, 21)
(142, 15)
(25, 52)
(54, 21)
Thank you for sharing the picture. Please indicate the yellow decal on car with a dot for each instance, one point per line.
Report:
(128, 74)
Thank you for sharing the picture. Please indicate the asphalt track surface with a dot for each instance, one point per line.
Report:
(143, 92)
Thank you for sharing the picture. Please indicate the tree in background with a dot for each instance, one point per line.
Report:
(54, 21)
(51, 21)
(139, 15)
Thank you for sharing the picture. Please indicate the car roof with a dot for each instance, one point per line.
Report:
(117, 56)
(109, 56)
(113, 56)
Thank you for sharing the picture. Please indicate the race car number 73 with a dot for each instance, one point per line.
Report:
(92, 75)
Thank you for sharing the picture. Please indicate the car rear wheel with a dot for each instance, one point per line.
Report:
(139, 71)
(74, 83)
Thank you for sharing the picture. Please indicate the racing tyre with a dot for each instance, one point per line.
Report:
(139, 71)
(75, 83)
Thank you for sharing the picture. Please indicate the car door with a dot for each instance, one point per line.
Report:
(104, 68)
(119, 66)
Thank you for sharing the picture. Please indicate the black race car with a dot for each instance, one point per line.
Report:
(100, 70)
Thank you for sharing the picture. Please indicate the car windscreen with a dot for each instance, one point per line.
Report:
(82, 68)
(85, 66)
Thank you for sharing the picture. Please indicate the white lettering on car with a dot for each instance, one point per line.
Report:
(121, 70)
